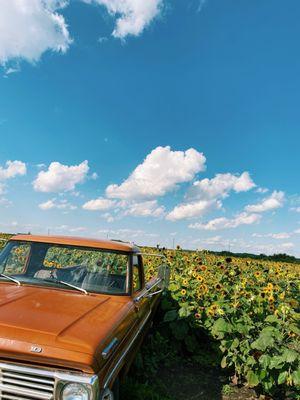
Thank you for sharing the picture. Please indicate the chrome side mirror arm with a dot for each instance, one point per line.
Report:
(147, 291)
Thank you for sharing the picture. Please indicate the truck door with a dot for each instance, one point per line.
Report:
(143, 306)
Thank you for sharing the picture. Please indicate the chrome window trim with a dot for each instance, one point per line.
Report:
(61, 378)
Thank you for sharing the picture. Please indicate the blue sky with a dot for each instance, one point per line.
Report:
(129, 87)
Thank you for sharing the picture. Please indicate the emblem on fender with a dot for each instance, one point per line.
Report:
(36, 349)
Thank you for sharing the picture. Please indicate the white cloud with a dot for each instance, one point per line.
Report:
(31, 27)
(221, 185)
(271, 248)
(160, 173)
(206, 195)
(61, 178)
(60, 205)
(12, 169)
(272, 202)
(133, 16)
(194, 209)
(277, 236)
(296, 209)
(99, 204)
(143, 209)
(226, 223)
(262, 190)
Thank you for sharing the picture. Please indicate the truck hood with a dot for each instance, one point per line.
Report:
(60, 327)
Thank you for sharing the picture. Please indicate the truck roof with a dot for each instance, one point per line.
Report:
(82, 242)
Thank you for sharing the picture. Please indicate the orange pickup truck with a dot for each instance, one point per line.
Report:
(72, 315)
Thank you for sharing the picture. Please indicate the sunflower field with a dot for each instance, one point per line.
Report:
(250, 308)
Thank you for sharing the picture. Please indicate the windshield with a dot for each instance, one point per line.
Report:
(93, 270)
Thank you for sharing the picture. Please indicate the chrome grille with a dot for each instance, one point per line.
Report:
(16, 384)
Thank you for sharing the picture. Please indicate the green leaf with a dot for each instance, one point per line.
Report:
(252, 379)
(235, 343)
(290, 356)
(264, 340)
(242, 328)
(224, 362)
(220, 327)
(170, 316)
(282, 377)
(294, 328)
(265, 361)
(184, 312)
(276, 362)
(173, 287)
(296, 377)
(272, 319)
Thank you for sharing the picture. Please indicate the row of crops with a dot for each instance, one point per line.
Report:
(249, 308)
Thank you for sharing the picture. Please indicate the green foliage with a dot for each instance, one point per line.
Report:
(250, 308)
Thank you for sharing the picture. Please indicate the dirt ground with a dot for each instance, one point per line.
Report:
(196, 383)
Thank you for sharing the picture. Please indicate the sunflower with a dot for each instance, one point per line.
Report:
(203, 268)
(183, 292)
(272, 307)
(271, 299)
(199, 278)
(185, 282)
(282, 296)
(203, 288)
(218, 286)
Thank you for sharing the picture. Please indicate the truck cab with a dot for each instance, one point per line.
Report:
(72, 314)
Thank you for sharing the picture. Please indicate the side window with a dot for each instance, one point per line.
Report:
(17, 259)
(137, 274)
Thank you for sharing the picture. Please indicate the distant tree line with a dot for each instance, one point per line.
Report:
(281, 257)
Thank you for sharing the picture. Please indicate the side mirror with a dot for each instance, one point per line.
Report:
(159, 284)
(164, 276)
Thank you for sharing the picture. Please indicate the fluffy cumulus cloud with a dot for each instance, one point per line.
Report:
(11, 170)
(31, 27)
(132, 16)
(194, 209)
(276, 200)
(159, 174)
(226, 223)
(99, 204)
(61, 178)
(221, 185)
(205, 195)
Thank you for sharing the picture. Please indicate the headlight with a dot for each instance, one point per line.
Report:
(75, 391)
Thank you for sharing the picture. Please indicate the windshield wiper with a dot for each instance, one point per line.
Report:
(64, 283)
(11, 279)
